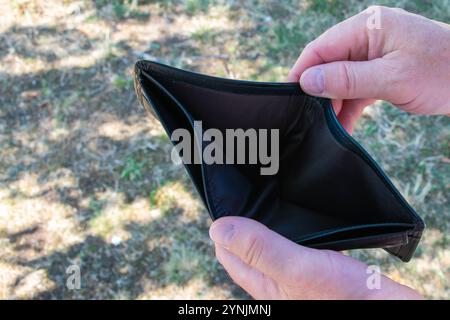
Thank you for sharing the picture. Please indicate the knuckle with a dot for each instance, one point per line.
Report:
(372, 8)
(254, 250)
(309, 45)
(377, 8)
(388, 14)
(349, 79)
(398, 10)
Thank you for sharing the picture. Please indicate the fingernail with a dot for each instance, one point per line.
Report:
(312, 81)
(221, 233)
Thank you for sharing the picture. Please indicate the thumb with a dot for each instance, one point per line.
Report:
(348, 80)
(264, 250)
(269, 266)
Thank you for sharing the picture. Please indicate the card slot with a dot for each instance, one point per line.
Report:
(386, 241)
(354, 232)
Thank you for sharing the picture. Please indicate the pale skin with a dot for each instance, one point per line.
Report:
(405, 62)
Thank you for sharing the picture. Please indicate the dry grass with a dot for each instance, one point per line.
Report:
(85, 174)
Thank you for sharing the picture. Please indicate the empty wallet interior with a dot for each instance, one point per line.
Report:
(328, 192)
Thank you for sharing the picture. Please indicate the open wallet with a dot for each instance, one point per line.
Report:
(328, 192)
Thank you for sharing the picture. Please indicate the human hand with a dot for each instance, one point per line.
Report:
(269, 266)
(405, 62)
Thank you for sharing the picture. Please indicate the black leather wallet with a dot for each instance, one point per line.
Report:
(328, 192)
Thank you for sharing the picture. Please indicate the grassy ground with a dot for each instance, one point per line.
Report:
(85, 174)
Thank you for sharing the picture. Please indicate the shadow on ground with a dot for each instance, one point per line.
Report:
(75, 131)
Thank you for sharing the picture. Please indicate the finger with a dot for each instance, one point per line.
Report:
(347, 40)
(256, 283)
(350, 80)
(351, 111)
(337, 105)
(263, 249)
